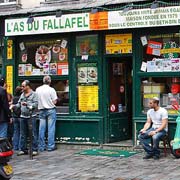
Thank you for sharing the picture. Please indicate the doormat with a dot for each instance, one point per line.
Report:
(110, 153)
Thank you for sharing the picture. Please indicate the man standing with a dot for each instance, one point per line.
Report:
(158, 117)
(47, 98)
(5, 113)
(28, 103)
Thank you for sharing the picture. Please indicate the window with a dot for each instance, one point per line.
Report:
(43, 57)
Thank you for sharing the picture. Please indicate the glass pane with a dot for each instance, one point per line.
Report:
(87, 45)
(117, 87)
(118, 43)
(62, 89)
(43, 57)
(167, 89)
(87, 87)
(161, 52)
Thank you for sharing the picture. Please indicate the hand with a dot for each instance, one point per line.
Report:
(24, 103)
(11, 106)
(152, 133)
(142, 131)
(11, 120)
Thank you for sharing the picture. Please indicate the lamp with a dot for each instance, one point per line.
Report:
(94, 10)
(30, 20)
(154, 5)
(58, 13)
(129, 7)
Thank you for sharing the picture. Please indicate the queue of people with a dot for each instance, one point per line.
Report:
(23, 109)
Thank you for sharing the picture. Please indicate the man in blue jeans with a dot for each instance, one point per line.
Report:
(158, 117)
(47, 99)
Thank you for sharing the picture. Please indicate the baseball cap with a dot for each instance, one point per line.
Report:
(155, 98)
(2, 80)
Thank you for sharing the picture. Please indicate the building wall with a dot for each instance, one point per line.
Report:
(31, 4)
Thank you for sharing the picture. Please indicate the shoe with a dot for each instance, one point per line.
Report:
(34, 153)
(156, 157)
(22, 153)
(53, 149)
(148, 156)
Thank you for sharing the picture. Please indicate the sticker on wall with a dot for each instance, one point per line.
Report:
(154, 48)
(9, 49)
(22, 46)
(143, 66)
(112, 107)
(144, 40)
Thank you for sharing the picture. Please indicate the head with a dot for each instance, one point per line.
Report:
(26, 86)
(154, 102)
(18, 90)
(47, 80)
(2, 80)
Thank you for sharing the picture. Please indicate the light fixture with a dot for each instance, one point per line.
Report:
(58, 13)
(129, 7)
(94, 10)
(154, 5)
(30, 20)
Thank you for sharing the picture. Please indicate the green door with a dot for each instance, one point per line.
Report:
(120, 98)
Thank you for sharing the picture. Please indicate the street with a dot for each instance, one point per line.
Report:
(65, 164)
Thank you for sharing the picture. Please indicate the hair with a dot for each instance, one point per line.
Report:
(18, 91)
(27, 83)
(47, 80)
(2, 80)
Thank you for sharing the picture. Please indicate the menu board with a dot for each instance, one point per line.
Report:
(88, 98)
(118, 43)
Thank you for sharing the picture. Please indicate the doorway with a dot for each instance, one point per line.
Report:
(119, 81)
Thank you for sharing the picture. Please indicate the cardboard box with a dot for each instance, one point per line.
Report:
(147, 88)
(158, 88)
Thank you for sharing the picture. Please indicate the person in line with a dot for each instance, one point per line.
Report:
(47, 99)
(158, 117)
(5, 113)
(16, 119)
(28, 103)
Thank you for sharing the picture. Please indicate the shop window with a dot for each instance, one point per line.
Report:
(118, 43)
(62, 89)
(87, 87)
(161, 53)
(167, 89)
(38, 57)
(87, 45)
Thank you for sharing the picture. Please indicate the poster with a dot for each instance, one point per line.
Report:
(9, 79)
(87, 73)
(9, 49)
(118, 43)
(43, 55)
(87, 45)
(88, 98)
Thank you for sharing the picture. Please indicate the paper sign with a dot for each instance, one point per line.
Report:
(21, 46)
(144, 40)
(64, 43)
(143, 66)
(84, 57)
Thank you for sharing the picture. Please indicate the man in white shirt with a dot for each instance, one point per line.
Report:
(158, 117)
(47, 99)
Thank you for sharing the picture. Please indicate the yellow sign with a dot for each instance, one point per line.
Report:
(149, 96)
(88, 98)
(171, 50)
(118, 43)
(9, 49)
(9, 79)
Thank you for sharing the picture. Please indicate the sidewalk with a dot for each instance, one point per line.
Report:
(64, 164)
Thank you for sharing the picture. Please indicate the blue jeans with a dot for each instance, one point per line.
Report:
(3, 130)
(145, 139)
(16, 133)
(24, 131)
(48, 115)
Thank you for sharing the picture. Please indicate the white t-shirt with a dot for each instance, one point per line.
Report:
(46, 96)
(157, 117)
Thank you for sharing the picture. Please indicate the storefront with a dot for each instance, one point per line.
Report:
(105, 66)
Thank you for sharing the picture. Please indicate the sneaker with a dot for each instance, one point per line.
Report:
(34, 153)
(148, 156)
(22, 153)
(156, 157)
(53, 149)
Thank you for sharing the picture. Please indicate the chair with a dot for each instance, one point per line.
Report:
(166, 142)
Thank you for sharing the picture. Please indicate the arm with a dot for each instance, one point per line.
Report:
(146, 125)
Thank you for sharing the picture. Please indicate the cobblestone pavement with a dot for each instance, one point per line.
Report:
(65, 164)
